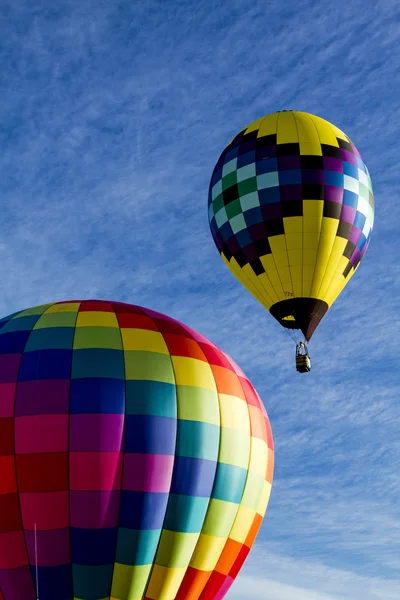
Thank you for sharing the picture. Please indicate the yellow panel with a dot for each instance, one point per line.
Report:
(255, 125)
(234, 413)
(308, 135)
(268, 125)
(164, 583)
(295, 257)
(324, 251)
(293, 224)
(338, 281)
(296, 273)
(312, 215)
(207, 552)
(253, 279)
(259, 456)
(298, 289)
(339, 133)
(265, 281)
(130, 582)
(278, 244)
(287, 130)
(68, 307)
(329, 227)
(243, 522)
(190, 371)
(96, 318)
(284, 274)
(241, 276)
(262, 507)
(334, 259)
(307, 285)
(311, 240)
(325, 131)
(142, 339)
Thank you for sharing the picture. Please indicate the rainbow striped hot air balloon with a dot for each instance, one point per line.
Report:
(136, 458)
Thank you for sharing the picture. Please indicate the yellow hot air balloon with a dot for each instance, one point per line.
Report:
(291, 211)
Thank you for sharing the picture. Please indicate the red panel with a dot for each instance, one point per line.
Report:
(215, 357)
(10, 514)
(95, 305)
(42, 472)
(6, 437)
(135, 321)
(192, 584)
(8, 484)
(183, 346)
(243, 554)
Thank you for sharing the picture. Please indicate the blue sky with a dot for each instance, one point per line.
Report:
(112, 116)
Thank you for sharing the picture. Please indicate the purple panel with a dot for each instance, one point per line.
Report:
(53, 547)
(17, 584)
(333, 164)
(348, 214)
(291, 192)
(355, 257)
(333, 194)
(233, 245)
(96, 433)
(9, 367)
(46, 396)
(355, 235)
(270, 212)
(348, 157)
(257, 232)
(312, 176)
(289, 162)
(148, 472)
(94, 510)
(250, 252)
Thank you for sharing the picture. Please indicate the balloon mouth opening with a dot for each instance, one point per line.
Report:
(304, 314)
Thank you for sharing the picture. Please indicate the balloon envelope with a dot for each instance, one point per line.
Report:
(291, 211)
(136, 458)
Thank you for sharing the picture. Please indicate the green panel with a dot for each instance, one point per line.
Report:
(98, 337)
(198, 404)
(152, 366)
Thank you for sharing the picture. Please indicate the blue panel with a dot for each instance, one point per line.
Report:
(217, 175)
(142, 510)
(14, 342)
(226, 231)
(359, 221)
(93, 546)
(98, 395)
(253, 216)
(350, 198)
(290, 177)
(98, 362)
(229, 483)
(137, 547)
(51, 337)
(269, 195)
(193, 476)
(334, 178)
(231, 154)
(151, 398)
(361, 242)
(246, 159)
(243, 238)
(20, 324)
(349, 169)
(45, 364)
(197, 440)
(150, 435)
(267, 165)
(55, 583)
(186, 513)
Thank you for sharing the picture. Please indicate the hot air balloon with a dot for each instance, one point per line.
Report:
(291, 211)
(136, 458)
